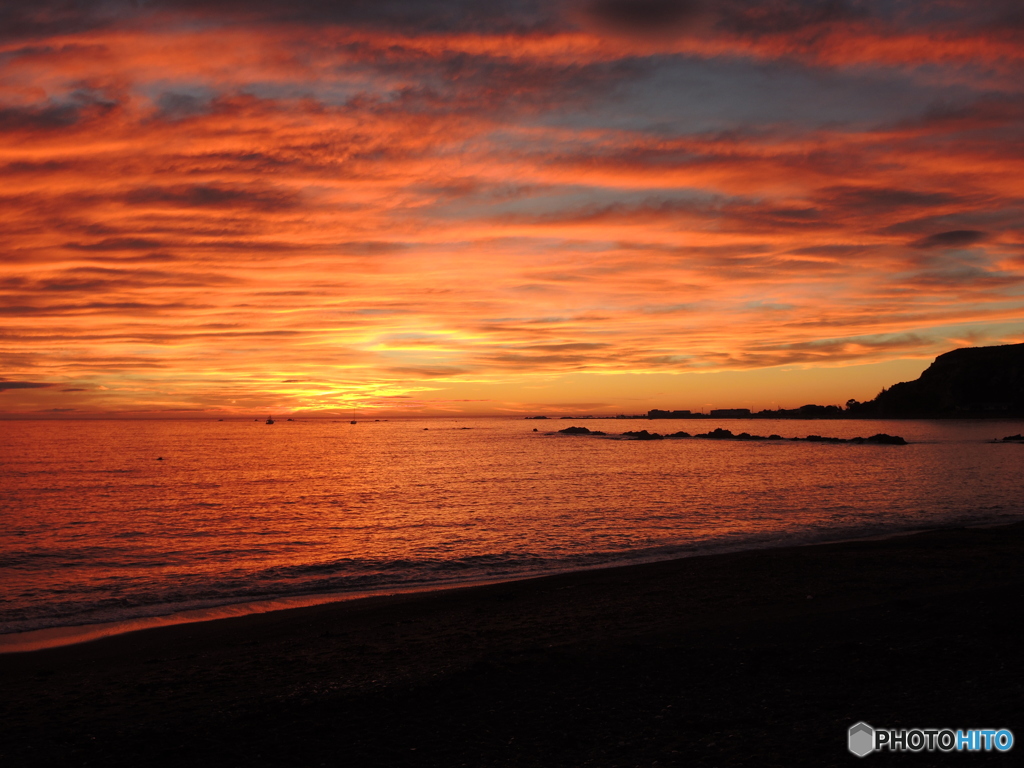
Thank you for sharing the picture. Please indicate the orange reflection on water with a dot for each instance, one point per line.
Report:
(117, 521)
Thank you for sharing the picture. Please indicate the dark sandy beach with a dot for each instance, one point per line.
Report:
(758, 658)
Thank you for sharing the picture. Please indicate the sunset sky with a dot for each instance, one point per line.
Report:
(392, 207)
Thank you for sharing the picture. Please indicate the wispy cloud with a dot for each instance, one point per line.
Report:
(319, 205)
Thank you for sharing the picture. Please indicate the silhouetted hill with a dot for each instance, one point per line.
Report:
(970, 382)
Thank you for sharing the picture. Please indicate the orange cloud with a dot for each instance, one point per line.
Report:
(224, 208)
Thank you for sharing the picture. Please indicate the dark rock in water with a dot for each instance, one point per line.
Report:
(725, 434)
(643, 434)
(748, 436)
(580, 431)
(1014, 439)
(718, 434)
(820, 439)
(574, 431)
(884, 439)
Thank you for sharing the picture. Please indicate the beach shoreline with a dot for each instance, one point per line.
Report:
(73, 634)
(708, 660)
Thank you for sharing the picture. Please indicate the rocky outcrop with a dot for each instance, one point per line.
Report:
(879, 439)
(643, 434)
(580, 431)
(974, 382)
(725, 434)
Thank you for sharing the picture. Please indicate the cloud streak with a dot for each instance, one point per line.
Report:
(318, 206)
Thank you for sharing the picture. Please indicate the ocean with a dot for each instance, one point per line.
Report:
(123, 524)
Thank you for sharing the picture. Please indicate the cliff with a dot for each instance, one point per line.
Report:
(968, 383)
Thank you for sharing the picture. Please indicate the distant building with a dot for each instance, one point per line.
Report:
(730, 413)
(654, 413)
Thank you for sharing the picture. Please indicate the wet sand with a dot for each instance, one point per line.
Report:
(757, 658)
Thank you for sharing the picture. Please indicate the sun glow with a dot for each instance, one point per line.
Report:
(207, 212)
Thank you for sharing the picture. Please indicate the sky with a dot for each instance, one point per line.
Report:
(447, 207)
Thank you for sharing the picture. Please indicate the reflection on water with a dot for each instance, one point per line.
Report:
(113, 519)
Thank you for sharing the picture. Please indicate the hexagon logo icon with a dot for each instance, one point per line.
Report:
(861, 739)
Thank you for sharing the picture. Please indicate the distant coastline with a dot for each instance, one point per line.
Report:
(967, 383)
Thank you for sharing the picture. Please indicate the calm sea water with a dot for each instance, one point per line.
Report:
(94, 528)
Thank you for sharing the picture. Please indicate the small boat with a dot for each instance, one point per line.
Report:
(351, 422)
(270, 419)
